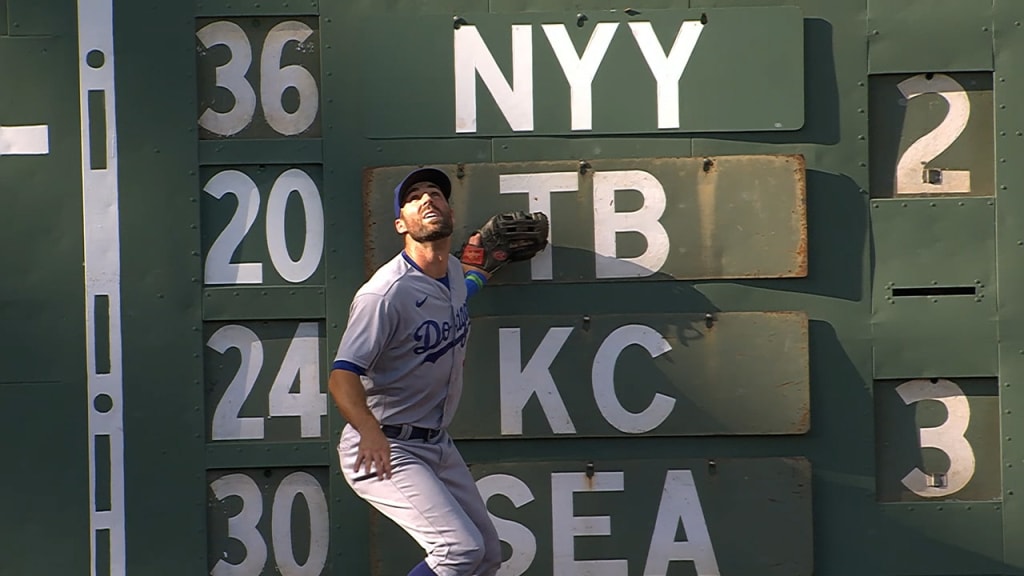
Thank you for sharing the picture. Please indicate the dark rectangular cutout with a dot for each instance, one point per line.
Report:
(101, 445)
(101, 334)
(97, 130)
(102, 554)
(936, 291)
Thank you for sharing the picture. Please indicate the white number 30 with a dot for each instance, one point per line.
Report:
(947, 437)
(274, 80)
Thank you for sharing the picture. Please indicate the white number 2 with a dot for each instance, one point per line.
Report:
(243, 526)
(910, 169)
(302, 360)
(947, 437)
(220, 270)
(274, 80)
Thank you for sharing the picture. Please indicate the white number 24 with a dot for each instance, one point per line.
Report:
(274, 80)
(302, 360)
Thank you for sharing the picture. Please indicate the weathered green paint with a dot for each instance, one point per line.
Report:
(746, 502)
(733, 373)
(925, 244)
(763, 88)
(900, 440)
(1009, 119)
(929, 36)
(721, 217)
(848, 124)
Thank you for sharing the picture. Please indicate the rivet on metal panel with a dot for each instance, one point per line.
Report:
(861, 83)
(580, 19)
(590, 469)
(458, 21)
(586, 322)
(708, 164)
(584, 166)
(267, 473)
(703, 18)
(874, 32)
(460, 170)
(712, 467)
(709, 319)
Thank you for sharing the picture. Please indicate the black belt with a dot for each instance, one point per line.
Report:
(415, 432)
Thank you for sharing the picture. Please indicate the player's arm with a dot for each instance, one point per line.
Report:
(369, 327)
(350, 399)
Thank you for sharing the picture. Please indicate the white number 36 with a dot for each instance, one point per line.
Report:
(274, 80)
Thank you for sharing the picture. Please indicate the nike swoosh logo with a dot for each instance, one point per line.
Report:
(420, 302)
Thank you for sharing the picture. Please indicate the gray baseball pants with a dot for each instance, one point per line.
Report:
(433, 497)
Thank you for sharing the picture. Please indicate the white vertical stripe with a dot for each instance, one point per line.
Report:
(102, 273)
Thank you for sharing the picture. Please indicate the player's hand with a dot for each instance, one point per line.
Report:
(374, 453)
(474, 240)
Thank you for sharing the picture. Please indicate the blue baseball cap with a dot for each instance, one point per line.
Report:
(433, 175)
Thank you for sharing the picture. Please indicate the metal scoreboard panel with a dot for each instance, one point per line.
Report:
(636, 374)
(613, 219)
(909, 281)
(642, 516)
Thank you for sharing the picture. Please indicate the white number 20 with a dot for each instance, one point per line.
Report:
(220, 270)
(274, 80)
(947, 437)
(910, 169)
(243, 526)
(302, 360)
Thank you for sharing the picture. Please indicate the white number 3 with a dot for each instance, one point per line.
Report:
(947, 437)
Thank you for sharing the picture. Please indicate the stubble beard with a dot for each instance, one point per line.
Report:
(424, 232)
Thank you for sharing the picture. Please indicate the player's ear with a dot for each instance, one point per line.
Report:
(400, 226)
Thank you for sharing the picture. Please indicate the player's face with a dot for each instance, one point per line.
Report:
(426, 215)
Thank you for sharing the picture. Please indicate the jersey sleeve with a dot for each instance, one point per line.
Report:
(371, 322)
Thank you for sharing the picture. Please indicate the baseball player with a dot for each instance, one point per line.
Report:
(397, 375)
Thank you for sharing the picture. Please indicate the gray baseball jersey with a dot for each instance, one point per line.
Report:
(408, 332)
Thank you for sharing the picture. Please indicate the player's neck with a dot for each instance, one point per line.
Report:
(431, 257)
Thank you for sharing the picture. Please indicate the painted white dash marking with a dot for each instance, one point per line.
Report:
(24, 140)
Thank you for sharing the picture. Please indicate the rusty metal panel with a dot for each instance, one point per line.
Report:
(658, 516)
(938, 440)
(741, 373)
(929, 35)
(501, 74)
(931, 134)
(721, 217)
